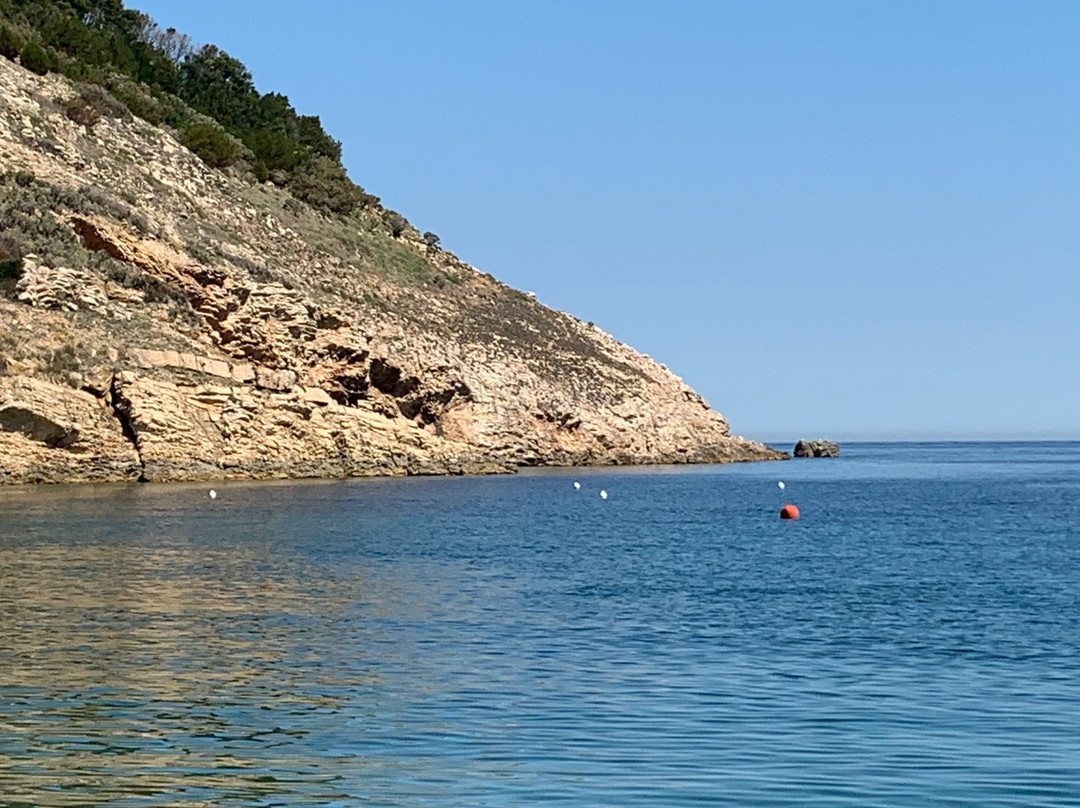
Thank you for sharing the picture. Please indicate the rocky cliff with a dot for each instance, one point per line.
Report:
(162, 320)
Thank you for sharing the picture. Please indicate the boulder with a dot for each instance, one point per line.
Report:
(816, 448)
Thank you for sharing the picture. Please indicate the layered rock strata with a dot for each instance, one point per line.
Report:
(176, 323)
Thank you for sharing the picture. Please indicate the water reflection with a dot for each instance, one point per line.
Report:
(176, 670)
(508, 641)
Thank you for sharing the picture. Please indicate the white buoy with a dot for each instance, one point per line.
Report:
(213, 494)
(603, 495)
(780, 485)
(577, 486)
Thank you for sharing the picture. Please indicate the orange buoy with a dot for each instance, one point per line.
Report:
(789, 511)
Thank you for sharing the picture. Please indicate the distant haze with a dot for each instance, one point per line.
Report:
(832, 219)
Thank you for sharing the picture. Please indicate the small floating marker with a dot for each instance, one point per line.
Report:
(577, 485)
(603, 495)
(780, 485)
(213, 494)
(789, 511)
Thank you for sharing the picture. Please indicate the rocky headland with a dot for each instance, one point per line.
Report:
(164, 320)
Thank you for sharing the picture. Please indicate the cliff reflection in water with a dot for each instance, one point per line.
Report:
(157, 666)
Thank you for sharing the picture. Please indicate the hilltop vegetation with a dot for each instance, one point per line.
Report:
(204, 94)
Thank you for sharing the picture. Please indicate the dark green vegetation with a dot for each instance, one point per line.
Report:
(205, 94)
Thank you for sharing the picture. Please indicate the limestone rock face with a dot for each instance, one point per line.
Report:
(207, 431)
(178, 322)
(48, 287)
(816, 448)
(52, 433)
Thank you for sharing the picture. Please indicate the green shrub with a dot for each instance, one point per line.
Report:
(396, 222)
(273, 149)
(138, 100)
(78, 110)
(213, 146)
(218, 85)
(312, 136)
(10, 43)
(322, 183)
(91, 199)
(92, 104)
(38, 59)
(173, 111)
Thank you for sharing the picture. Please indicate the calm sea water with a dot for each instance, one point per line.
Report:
(912, 640)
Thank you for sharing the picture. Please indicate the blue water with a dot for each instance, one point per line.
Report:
(912, 640)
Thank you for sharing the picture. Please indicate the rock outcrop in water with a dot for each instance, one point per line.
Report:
(162, 320)
(816, 448)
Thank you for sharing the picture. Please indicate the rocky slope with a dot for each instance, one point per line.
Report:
(162, 320)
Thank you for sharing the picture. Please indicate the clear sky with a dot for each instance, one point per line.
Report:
(833, 219)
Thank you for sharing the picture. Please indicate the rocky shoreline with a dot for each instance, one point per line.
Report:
(135, 428)
(163, 320)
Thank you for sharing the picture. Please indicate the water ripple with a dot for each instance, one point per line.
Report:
(502, 642)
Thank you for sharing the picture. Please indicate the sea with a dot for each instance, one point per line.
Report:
(913, 639)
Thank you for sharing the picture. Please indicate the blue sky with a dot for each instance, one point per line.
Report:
(833, 219)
